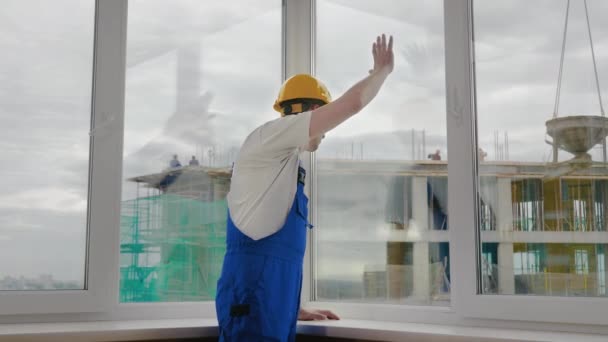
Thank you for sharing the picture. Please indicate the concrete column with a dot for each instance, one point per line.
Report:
(420, 222)
(396, 271)
(221, 186)
(407, 199)
(504, 210)
(605, 273)
(420, 207)
(506, 279)
(422, 282)
(504, 222)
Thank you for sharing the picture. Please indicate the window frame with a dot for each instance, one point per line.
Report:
(202, 309)
(101, 301)
(103, 205)
(467, 300)
(298, 57)
(468, 307)
(367, 311)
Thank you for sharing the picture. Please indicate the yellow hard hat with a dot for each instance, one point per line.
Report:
(301, 87)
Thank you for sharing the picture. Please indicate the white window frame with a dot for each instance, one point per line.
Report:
(298, 48)
(360, 311)
(467, 301)
(468, 307)
(173, 310)
(111, 20)
(103, 212)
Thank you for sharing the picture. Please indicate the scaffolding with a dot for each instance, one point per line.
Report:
(173, 242)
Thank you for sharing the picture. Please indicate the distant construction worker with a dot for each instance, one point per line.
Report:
(258, 294)
(435, 156)
(174, 163)
(193, 161)
(482, 154)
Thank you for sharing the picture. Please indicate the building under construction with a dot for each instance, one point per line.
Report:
(173, 235)
(542, 233)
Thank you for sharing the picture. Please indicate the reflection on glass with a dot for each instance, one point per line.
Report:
(381, 195)
(195, 88)
(555, 269)
(541, 134)
(45, 114)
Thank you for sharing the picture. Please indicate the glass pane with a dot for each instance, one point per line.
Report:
(382, 176)
(45, 114)
(201, 75)
(541, 137)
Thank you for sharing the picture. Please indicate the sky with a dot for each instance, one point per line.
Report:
(202, 75)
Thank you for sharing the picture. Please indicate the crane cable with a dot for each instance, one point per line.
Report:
(561, 62)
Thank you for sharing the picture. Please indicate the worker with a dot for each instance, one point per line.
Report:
(482, 154)
(258, 293)
(174, 163)
(193, 161)
(435, 156)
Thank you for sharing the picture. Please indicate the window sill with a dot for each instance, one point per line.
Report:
(192, 328)
(109, 330)
(392, 331)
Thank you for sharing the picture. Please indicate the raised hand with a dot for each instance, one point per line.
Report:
(384, 59)
(329, 116)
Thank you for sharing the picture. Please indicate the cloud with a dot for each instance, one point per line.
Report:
(202, 75)
(53, 199)
(18, 223)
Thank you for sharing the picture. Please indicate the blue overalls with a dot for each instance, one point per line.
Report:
(258, 293)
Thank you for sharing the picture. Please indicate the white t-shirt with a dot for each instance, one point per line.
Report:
(264, 178)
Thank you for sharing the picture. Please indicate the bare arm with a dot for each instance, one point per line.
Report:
(328, 117)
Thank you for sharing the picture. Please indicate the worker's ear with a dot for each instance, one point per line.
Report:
(287, 109)
(306, 107)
